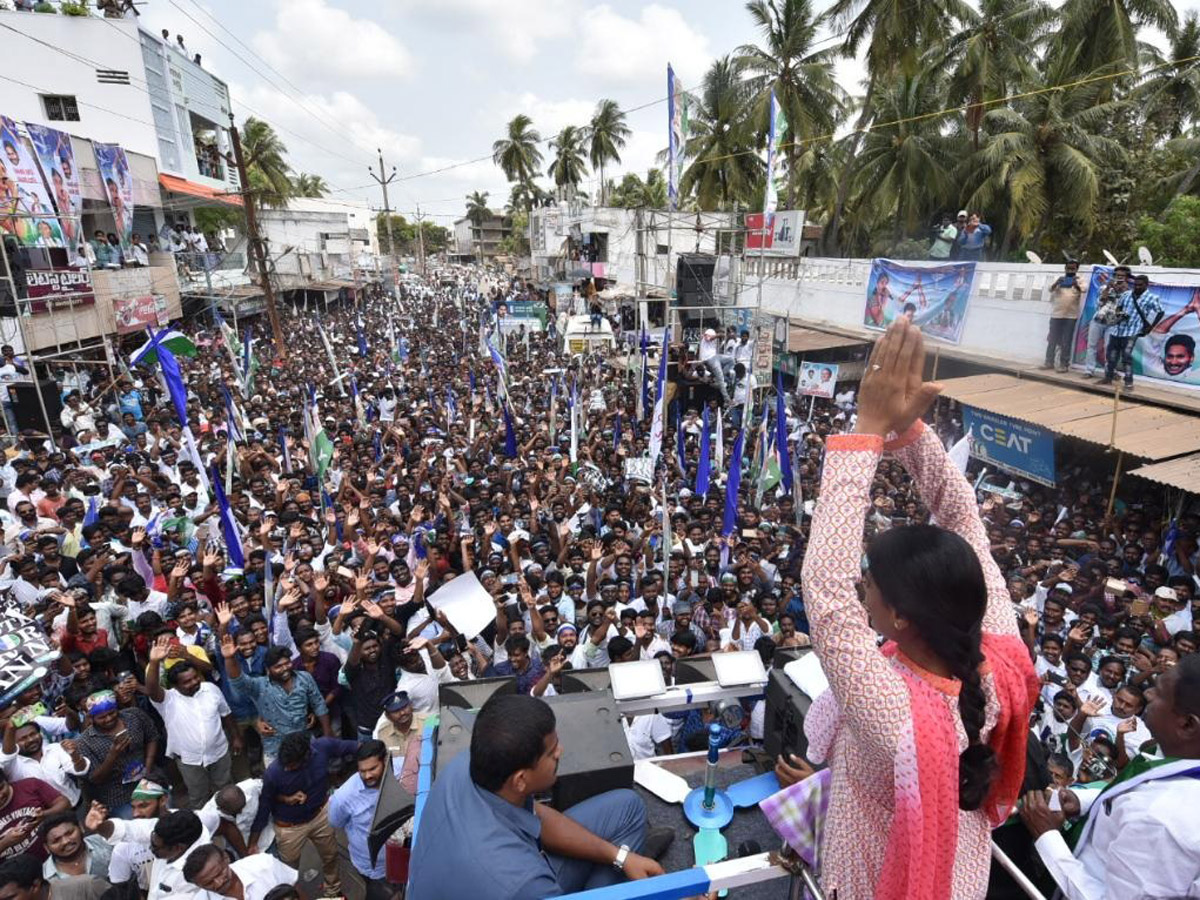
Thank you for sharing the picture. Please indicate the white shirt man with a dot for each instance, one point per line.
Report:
(165, 879)
(710, 346)
(1141, 842)
(251, 789)
(55, 768)
(645, 733)
(193, 724)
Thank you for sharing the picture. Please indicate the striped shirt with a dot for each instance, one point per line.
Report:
(1133, 324)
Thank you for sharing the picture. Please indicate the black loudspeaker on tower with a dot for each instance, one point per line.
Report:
(26, 407)
(694, 279)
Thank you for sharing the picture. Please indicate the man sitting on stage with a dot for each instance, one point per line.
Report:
(481, 834)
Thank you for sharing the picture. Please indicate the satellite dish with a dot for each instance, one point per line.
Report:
(1033, 257)
(1112, 260)
(1145, 257)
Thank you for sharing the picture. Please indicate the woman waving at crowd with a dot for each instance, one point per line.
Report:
(924, 735)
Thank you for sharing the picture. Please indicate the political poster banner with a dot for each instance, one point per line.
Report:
(25, 208)
(1018, 447)
(57, 157)
(816, 380)
(25, 654)
(763, 360)
(1168, 353)
(118, 188)
(780, 237)
(934, 297)
(134, 314)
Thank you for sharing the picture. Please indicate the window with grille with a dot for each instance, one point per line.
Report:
(60, 108)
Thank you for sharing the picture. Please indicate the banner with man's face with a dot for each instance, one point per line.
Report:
(1168, 353)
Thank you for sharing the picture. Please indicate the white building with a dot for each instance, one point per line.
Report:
(318, 239)
(111, 81)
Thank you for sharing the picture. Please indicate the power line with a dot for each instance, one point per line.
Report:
(299, 97)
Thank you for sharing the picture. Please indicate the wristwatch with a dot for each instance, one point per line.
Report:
(619, 861)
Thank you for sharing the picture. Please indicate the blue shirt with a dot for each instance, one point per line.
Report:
(351, 808)
(242, 706)
(283, 710)
(1133, 325)
(472, 843)
(312, 778)
(971, 243)
(525, 680)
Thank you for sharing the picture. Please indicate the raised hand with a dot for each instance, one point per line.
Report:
(228, 647)
(160, 649)
(893, 394)
(224, 614)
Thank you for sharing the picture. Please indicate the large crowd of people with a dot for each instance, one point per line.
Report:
(246, 643)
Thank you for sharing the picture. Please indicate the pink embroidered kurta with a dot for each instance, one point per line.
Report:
(874, 717)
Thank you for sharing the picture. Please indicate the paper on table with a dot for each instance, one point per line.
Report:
(807, 675)
(466, 604)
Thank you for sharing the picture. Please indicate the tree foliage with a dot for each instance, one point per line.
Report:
(1174, 236)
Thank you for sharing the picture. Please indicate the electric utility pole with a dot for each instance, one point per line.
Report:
(420, 241)
(257, 251)
(387, 211)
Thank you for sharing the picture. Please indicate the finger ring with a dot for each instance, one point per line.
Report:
(876, 367)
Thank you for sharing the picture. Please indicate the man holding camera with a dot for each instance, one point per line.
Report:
(1064, 311)
(1138, 311)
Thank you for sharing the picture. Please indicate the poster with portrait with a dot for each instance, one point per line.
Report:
(25, 208)
(118, 187)
(1168, 353)
(57, 158)
(934, 297)
(816, 380)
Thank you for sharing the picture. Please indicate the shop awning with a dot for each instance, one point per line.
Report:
(805, 340)
(175, 185)
(1182, 473)
(1141, 430)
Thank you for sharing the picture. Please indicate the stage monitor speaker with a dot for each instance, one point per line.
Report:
(577, 681)
(695, 668)
(473, 694)
(694, 279)
(783, 727)
(453, 736)
(596, 755)
(26, 408)
(394, 807)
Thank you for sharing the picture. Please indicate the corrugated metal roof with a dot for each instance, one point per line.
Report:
(1182, 473)
(1149, 432)
(803, 340)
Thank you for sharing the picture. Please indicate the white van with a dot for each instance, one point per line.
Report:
(580, 336)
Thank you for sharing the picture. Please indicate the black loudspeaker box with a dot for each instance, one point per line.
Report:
(473, 694)
(578, 681)
(693, 669)
(787, 705)
(26, 407)
(596, 755)
(694, 279)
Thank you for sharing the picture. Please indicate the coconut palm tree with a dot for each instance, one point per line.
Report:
(992, 55)
(1043, 156)
(568, 166)
(606, 135)
(1104, 33)
(478, 212)
(526, 195)
(306, 185)
(724, 166)
(896, 32)
(266, 164)
(1170, 96)
(517, 153)
(905, 166)
(802, 79)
